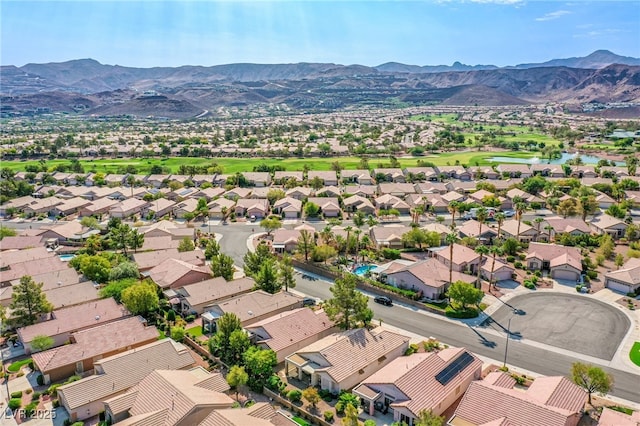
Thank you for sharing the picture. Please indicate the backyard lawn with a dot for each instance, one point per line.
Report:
(635, 354)
(16, 366)
(195, 331)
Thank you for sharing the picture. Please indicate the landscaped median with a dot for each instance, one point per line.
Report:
(634, 354)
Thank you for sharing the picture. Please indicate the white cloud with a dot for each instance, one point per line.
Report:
(553, 15)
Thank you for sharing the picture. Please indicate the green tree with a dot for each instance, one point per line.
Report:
(286, 273)
(520, 208)
(136, 240)
(323, 253)
(7, 232)
(96, 268)
(178, 333)
(350, 416)
(226, 324)
(305, 243)
(211, 249)
(348, 307)
(482, 250)
(28, 302)
(311, 210)
(267, 278)
(238, 344)
(124, 270)
(270, 224)
(274, 195)
(259, 365)
(41, 343)
(120, 237)
(453, 207)
(451, 240)
(591, 378)
(510, 246)
(316, 183)
(237, 378)
(141, 299)
(253, 260)
(222, 266)
(93, 244)
(90, 222)
(464, 294)
(619, 260)
(312, 396)
(186, 244)
(587, 205)
(115, 288)
(427, 418)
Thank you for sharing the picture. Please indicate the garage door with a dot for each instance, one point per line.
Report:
(503, 275)
(615, 286)
(566, 274)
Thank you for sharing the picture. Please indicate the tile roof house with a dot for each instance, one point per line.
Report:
(173, 273)
(471, 228)
(361, 177)
(299, 193)
(389, 175)
(149, 259)
(610, 417)
(170, 398)
(259, 179)
(329, 206)
(502, 271)
(464, 258)
(199, 296)
(388, 202)
(128, 207)
(388, 236)
(281, 176)
(562, 262)
(98, 207)
(259, 414)
(90, 344)
(342, 360)
(608, 224)
(328, 177)
(219, 206)
(288, 332)
(626, 279)
(515, 170)
(161, 207)
(285, 240)
(396, 189)
(63, 322)
(430, 381)
(420, 173)
(72, 294)
(429, 277)
(573, 225)
(549, 401)
(182, 208)
(20, 242)
(288, 207)
(118, 373)
(359, 203)
(252, 207)
(329, 191)
(509, 229)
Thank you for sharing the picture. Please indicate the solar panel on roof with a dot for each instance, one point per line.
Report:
(451, 370)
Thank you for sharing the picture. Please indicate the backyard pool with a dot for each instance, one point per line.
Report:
(363, 269)
(66, 257)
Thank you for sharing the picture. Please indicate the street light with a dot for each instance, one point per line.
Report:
(506, 346)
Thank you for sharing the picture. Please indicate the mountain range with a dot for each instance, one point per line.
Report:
(90, 87)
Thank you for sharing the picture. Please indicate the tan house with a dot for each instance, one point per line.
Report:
(342, 360)
(220, 206)
(429, 277)
(63, 322)
(98, 207)
(128, 208)
(388, 236)
(328, 191)
(626, 279)
(515, 170)
(149, 259)
(562, 262)
(252, 207)
(299, 193)
(361, 177)
(92, 344)
(161, 207)
(471, 228)
(610, 417)
(549, 401)
(288, 207)
(501, 271)
(509, 229)
(464, 258)
(399, 190)
(288, 332)
(329, 206)
(605, 224)
(259, 179)
(282, 176)
(327, 177)
(388, 202)
(174, 273)
(358, 203)
(285, 240)
(116, 374)
(199, 296)
(170, 398)
(430, 381)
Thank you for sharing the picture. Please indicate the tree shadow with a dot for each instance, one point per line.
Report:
(483, 340)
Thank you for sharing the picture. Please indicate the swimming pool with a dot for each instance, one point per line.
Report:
(363, 269)
(66, 257)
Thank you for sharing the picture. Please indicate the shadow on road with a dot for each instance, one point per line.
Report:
(483, 340)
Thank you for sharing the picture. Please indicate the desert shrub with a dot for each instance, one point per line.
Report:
(339, 408)
(16, 394)
(40, 380)
(592, 275)
(518, 264)
(413, 348)
(294, 395)
(328, 416)
(392, 254)
(325, 395)
(53, 390)
(190, 318)
(510, 258)
(519, 379)
(349, 398)
(369, 422)
(73, 378)
(31, 408)
(453, 313)
(36, 396)
(15, 403)
(28, 391)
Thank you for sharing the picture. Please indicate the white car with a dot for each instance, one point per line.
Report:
(509, 213)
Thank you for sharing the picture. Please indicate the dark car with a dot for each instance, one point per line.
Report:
(308, 301)
(383, 300)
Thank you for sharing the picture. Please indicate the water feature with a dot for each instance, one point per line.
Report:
(363, 269)
(586, 159)
(66, 257)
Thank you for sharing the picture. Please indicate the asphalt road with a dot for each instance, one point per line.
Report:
(522, 355)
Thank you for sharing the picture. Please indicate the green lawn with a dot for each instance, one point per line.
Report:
(195, 331)
(233, 165)
(16, 366)
(301, 421)
(635, 354)
(440, 118)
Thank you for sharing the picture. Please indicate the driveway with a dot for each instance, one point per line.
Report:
(572, 322)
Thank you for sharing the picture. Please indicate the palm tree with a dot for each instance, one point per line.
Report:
(357, 232)
(520, 208)
(499, 217)
(131, 179)
(451, 239)
(327, 235)
(454, 206)
(482, 250)
(371, 221)
(494, 250)
(416, 212)
(538, 221)
(348, 230)
(481, 217)
(136, 240)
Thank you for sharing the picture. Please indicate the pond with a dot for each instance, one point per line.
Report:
(586, 159)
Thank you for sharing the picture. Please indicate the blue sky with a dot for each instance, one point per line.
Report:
(429, 32)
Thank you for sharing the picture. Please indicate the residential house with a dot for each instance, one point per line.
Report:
(159, 243)
(210, 193)
(429, 277)
(32, 268)
(174, 273)
(509, 229)
(89, 345)
(41, 206)
(605, 224)
(299, 192)
(259, 179)
(128, 208)
(464, 258)
(20, 242)
(454, 172)
(357, 203)
(280, 177)
(514, 193)
(197, 297)
(328, 191)
(416, 174)
(549, 401)
(71, 294)
(329, 206)
(220, 206)
(200, 179)
(389, 175)
(116, 374)
(149, 259)
(17, 203)
(288, 332)
(238, 192)
(501, 271)
(327, 177)
(439, 228)
(185, 207)
(167, 228)
(389, 202)
(98, 207)
(626, 279)
(451, 196)
(258, 208)
(584, 172)
(182, 193)
(157, 180)
(288, 207)
(170, 398)
(388, 236)
(480, 195)
(561, 262)
(70, 206)
(571, 225)
(610, 417)
(63, 322)
(68, 231)
(604, 201)
(252, 307)
(399, 190)
(162, 207)
(431, 188)
(514, 170)
(547, 170)
(361, 177)
(342, 360)
(366, 191)
(285, 240)
(430, 381)
(471, 229)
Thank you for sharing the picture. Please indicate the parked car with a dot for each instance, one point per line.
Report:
(383, 300)
(308, 301)
(509, 213)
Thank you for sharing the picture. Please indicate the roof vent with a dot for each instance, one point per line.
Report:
(97, 317)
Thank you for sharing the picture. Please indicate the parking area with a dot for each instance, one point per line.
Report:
(572, 322)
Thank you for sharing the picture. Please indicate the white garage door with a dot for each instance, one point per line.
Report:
(565, 274)
(503, 275)
(615, 286)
